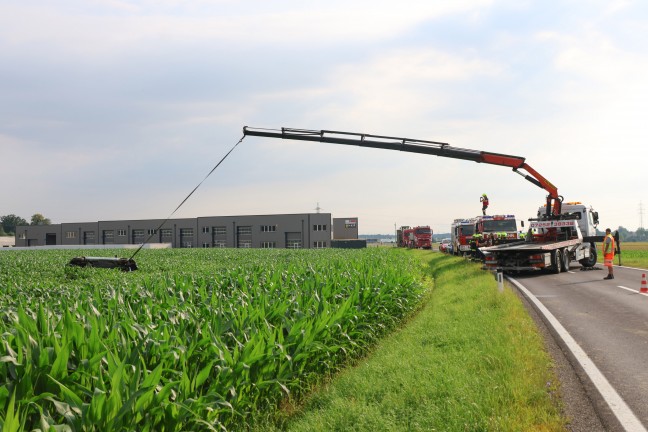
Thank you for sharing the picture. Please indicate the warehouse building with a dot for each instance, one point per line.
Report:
(292, 231)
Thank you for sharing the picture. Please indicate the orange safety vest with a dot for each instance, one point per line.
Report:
(610, 254)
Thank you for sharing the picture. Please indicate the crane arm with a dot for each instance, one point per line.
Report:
(436, 148)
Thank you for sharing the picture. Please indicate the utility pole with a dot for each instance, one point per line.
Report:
(640, 215)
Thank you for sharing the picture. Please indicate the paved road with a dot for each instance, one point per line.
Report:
(608, 319)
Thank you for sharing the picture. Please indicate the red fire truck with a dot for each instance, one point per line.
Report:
(497, 229)
(415, 237)
(461, 232)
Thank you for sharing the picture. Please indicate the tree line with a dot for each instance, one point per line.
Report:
(641, 235)
(8, 223)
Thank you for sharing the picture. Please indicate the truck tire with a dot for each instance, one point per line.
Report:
(556, 261)
(566, 260)
(591, 261)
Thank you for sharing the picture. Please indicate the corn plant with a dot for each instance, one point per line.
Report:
(196, 339)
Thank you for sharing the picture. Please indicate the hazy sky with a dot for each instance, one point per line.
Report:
(114, 109)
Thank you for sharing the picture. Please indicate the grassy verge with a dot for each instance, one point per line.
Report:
(470, 359)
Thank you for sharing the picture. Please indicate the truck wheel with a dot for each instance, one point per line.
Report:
(566, 260)
(591, 261)
(556, 261)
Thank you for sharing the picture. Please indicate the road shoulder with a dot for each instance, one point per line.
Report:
(577, 407)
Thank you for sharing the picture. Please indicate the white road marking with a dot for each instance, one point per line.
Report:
(632, 290)
(621, 410)
(632, 268)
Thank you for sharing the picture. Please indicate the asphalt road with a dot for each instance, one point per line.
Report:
(608, 320)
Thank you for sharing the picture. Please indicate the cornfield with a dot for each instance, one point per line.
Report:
(196, 340)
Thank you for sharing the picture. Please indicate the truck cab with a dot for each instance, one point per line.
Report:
(497, 229)
(461, 232)
(586, 217)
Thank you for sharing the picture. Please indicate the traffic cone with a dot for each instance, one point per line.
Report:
(644, 286)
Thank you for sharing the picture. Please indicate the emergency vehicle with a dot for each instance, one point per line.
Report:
(461, 232)
(497, 229)
(551, 243)
(416, 237)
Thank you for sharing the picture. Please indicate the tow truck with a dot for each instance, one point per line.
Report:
(550, 244)
(548, 231)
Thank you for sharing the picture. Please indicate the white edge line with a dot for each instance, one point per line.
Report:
(632, 290)
(623, 413)
(631, 268)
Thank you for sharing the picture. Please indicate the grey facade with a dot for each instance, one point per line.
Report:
(306, 230)
(345, 228)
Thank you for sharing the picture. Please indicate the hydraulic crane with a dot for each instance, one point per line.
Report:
(517, 163)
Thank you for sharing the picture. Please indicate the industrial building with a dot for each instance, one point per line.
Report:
(292, 231)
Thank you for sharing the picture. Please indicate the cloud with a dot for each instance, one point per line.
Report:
(116, 109)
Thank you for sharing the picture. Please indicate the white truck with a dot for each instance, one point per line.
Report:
(551, 243)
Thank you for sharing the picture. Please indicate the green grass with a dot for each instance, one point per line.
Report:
(634, 254)
(470, 360)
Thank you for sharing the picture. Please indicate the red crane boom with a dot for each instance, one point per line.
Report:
(517, 163)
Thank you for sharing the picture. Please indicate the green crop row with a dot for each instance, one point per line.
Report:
(194, 340)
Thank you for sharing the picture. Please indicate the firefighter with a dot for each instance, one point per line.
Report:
(475, 243)
(484, 200)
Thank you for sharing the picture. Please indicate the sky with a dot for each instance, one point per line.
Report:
(117, 109)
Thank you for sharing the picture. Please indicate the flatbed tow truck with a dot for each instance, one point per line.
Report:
(550, 244)
(553, 239)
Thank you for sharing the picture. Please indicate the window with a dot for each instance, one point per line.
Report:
(293, 244)
(138, 235)
(23, 236)
(319, 227)
(205, 230)
(244, 230)
(268, 228)
(268, 245)
(166, 233)
(186, 237)
(70, 234)
(206, 245)
(89, 235)
(245, 244)
(219, 244)
(121, 233)
(319, 245)
(152, 231)
(219, 230)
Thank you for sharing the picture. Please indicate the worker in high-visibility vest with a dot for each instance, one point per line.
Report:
(484, 200)
(609, 247)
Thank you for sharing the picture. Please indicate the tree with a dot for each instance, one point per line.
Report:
(2, 231)
(624, 233)
(39, 219)
(10, 222)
